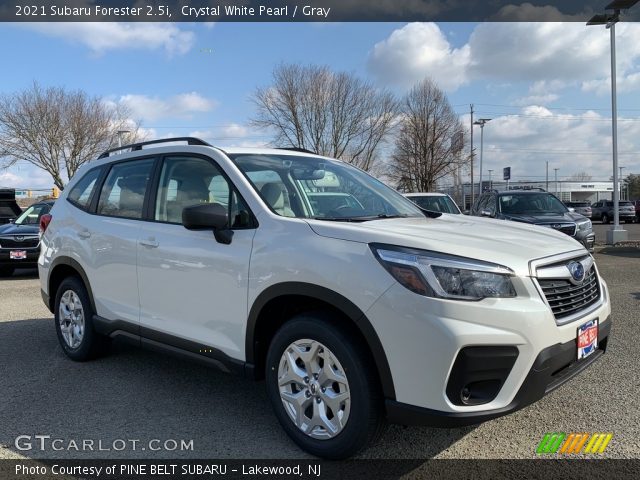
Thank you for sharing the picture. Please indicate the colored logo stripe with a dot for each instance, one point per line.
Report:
(574, 443)
(550, 443)
(598, 442)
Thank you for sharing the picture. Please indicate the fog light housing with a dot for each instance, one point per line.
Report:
(478, 374)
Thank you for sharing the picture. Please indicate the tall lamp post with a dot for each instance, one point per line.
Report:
(120, 134)
(482, 122)
(617, 233)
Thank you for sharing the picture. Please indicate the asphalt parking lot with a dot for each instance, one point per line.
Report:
(136, 394)
(633, 231)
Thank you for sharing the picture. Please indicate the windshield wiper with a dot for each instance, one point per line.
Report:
(367, 218)
(338, 219)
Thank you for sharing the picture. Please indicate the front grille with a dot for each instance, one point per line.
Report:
(11, 242)
(565, 298)
(568, 228)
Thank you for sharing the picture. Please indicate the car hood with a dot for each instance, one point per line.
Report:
(544, 218)
(13, 229)
(509, 244)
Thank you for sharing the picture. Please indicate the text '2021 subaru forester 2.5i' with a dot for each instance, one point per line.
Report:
(355, 314)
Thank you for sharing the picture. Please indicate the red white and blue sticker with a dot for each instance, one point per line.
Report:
(587, 339)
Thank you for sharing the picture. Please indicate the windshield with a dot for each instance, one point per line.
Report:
(531, 204)
(31, 216)
(436, 203)
(307, 187)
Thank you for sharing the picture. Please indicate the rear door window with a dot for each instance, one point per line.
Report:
(125, 188)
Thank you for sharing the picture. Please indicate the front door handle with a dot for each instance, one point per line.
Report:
(84, 234)
(151, 243)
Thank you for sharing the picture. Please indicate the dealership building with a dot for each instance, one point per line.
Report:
(567, 191)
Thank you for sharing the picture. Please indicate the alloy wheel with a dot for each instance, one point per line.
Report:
(314, 389)
(71, 319)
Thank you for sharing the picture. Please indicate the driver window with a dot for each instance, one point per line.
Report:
(188, 181)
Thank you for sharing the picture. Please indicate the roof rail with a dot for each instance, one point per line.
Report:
(298, 149)
(138, 146)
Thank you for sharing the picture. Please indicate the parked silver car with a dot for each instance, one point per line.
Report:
(583, 208)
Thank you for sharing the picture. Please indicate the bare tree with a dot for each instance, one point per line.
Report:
(334, 114)
(580, 177)
(430, 142)
(57, 130)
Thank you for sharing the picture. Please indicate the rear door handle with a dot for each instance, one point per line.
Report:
(84, 234)
(151, 243)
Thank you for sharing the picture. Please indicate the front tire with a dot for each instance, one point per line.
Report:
(74, 322)
(605, 218)
(323, 389)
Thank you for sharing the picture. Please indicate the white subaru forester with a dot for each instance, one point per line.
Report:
(354, 305)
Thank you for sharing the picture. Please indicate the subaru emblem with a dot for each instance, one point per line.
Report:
(19, 239)
(576, 270)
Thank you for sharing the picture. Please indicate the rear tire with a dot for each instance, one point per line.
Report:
(73, 316)
(323, 388)
(6, 271)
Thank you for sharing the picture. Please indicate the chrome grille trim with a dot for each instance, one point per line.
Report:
(567, 299)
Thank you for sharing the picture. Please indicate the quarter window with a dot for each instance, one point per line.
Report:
(123, 192)
(80, 195)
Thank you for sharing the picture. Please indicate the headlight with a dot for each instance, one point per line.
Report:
(585, 225)
(445, 276)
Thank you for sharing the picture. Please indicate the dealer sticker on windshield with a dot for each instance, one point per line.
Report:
(587, 339)
(17, 254)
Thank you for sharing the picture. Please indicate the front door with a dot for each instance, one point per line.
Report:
(193, 290)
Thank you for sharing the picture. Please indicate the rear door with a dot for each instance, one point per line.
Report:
(109, 238)
(193, 290)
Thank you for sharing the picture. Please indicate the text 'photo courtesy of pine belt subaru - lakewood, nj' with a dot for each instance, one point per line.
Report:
(355, 314)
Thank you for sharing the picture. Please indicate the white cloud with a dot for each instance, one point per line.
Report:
(102, 37)
(418, 50)
(183, 105)
(569, 53)
(570, 142)
(235, 130)
(25, 176)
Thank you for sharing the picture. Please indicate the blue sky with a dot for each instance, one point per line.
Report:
(544, 85)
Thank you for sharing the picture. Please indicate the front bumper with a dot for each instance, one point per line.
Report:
(422, 337)
(553, 367)
(586, 239)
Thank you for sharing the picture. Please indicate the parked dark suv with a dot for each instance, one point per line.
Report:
(536, 207)
(20, 239)
(636, 203)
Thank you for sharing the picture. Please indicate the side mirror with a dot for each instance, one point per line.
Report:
(486, 213)
(208, 216)
(572, 210)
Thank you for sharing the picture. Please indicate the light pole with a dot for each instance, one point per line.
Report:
(547, 181)
(120, 133)
(616, 234)
(481, 122)
(556, 179)
(490, 181)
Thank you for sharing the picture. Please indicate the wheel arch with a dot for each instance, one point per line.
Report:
(61, 268)
(285, 299)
